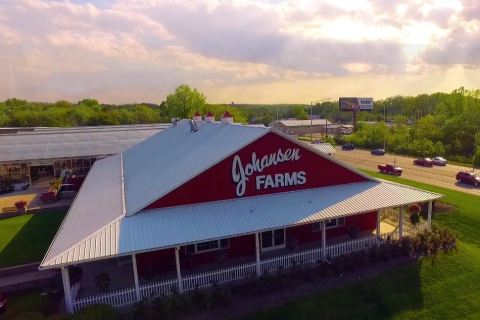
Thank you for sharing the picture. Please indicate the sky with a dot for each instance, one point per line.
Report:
(252, 51)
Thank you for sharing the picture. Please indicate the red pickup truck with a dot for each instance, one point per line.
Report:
(390, 169)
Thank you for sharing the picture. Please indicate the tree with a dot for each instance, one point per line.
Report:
(300, 113)
(184, 102)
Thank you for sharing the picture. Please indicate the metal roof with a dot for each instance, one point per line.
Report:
(90, 228)
(162, 228)
(303, 123)
(54, 143)
(166, 160)
(324, 147)
(98, 226)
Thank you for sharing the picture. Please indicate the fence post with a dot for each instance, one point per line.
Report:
(378, 223)
(324, 240)
(135, 277)
(400, 223)
(257, 254)
(179, 274)
(430, 205)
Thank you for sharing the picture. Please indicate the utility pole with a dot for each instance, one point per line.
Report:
(311, 116)
(385, 123)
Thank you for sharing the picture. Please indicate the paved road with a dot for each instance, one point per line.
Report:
(440, 176)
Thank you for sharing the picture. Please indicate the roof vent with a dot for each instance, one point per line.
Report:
(193, 126)
(197, 116)
(227, 118)
(209, 117)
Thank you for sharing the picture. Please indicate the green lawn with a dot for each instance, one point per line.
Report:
(448, 289)
(25, 239)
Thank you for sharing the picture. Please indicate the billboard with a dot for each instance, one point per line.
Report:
(356, 104)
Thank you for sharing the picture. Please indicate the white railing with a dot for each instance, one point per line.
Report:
(209, 278)
(290, 259)
(157, 289)
(127, 297)
(117, 299)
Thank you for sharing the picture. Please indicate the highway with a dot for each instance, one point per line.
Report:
(443, 176)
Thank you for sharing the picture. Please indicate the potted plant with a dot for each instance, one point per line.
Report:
(21, 206)
(414, 210)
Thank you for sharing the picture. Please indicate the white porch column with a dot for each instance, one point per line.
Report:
(257, 254)
(135, 277)
(378, 223)
(430, 205)
(324, 240)
(400, 223)
(179, 274)
(67, 289)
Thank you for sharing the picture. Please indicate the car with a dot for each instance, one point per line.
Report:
(348, 146)
(6, 188)
(378, 152)
(426, 162)
(67, 190)
(468, 177)
(390, 169)
(440, 161)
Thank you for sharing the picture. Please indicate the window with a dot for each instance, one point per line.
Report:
(273, 239)
(331, 223)
(207, 246)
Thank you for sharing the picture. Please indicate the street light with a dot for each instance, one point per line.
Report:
(311, 116)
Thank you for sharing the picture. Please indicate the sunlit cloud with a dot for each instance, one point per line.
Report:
(140, 50)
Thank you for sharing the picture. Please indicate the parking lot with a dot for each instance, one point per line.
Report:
(437, 175)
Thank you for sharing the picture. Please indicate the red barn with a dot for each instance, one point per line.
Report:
(205, 202)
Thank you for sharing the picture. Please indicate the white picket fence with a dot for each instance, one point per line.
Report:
(117, 299)
(125, 297)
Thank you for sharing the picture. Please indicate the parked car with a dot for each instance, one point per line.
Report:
(390, 169)
(440, 161)
(6, 188)
(426, 162)
(67, 191)
(378, 152)
(348, 146)
(468, 177)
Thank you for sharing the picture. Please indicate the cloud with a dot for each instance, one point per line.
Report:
(135, 50)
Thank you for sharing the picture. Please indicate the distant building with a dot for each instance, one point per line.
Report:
(301, 127)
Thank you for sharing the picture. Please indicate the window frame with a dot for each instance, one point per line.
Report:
(337, 224)
(218, 242)
(274, 246)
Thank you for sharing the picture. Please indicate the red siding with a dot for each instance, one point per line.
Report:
(364, 222)
(163, 261)
(216, 183)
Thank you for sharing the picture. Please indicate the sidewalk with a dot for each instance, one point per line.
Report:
(25, 277)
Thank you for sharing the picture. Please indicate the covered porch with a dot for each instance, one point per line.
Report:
(184, 268)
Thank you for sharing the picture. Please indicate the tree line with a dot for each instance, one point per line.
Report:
(424, 125)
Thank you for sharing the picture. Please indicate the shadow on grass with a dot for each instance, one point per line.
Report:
(30, 237)
(384, 297)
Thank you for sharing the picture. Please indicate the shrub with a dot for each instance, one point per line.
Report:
(30, 302)
(20, 204)
(29, 315)
(58, 316)
(96, 312)
(414, 218)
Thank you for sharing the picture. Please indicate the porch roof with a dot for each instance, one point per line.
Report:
(169, 227)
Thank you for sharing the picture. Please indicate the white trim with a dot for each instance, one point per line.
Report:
(400, 223)
(179, 273)
(135, 277)
(429, 218)
(210, 250)
(67, 290)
